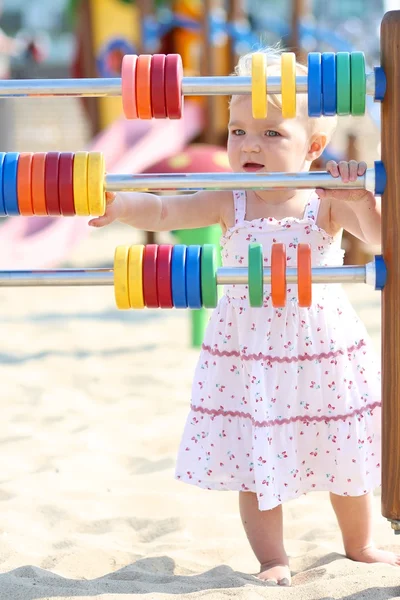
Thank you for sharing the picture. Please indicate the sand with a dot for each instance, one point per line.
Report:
(93, 402)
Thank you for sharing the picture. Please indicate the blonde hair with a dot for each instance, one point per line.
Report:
(273, 58)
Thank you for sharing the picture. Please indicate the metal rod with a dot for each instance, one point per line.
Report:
(225, 276)
(229, 181)
(191, 86)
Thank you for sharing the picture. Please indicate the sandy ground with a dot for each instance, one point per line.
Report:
(93, 401)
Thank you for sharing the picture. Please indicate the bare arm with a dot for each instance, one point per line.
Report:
(164, 213)
(362, 217)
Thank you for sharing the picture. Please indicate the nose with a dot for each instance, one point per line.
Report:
(250, 143)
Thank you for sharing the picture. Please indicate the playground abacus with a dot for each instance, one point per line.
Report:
(181, 276)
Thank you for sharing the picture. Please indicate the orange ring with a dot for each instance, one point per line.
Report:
(304, 278)
(38, 184)
(24, 184)
(143, 87)
(278, 275)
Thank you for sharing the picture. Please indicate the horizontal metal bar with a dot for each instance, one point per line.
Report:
(225, 276)
(191, 86)
(233, 181)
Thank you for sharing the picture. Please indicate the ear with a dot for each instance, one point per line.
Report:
(317, 145)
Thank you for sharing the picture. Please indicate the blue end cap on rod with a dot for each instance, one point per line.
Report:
(380, 84)
(380, 178)
(380, 272)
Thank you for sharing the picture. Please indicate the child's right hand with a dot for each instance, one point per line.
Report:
(113, 211)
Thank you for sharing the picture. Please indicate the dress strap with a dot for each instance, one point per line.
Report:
(239, 199)
(312, 208)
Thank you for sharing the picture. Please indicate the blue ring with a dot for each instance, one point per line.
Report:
(329, 98)
(380, 272)
(10, 189)
(2, 205)
(380, 178)
(193, 277)
(314, 84)
(380, 84)
(178, 276)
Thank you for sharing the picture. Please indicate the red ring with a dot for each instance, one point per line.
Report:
(51, 183)
(66, 184)
(164, 276)
(150, 293)
(158, 86)
(173, 85)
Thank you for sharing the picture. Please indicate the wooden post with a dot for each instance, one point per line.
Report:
(390, 62)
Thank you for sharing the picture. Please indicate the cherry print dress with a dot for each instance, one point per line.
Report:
(284, 401)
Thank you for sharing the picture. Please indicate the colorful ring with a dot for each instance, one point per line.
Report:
(10, 188)
(128, 76)
(96, 176)
(158, 100)
(193, 276)
(278, 275)
(259, 85)
(329, 84)
(178, 276)
(343, 87)
(150, 291)
(255, 274)
(288, 79)
(209, 288)
(66, 184)
(164, 276)
(2, 205)
(173, 85)
(24, 184)
(143, 87)
(135, 276)
(81, 200)
(314, 84)
(121, 284)
(38, 184)
(51, 183)
(358, 83)
(304, 275)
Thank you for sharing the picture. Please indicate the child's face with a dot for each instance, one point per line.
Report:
(273, 144)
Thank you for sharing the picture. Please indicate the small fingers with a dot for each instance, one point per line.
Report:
(344, 171)
(362, 167)
(332, 168)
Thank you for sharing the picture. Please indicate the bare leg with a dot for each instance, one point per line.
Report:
(264, 530)
(354, 515)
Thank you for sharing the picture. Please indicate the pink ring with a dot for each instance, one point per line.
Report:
(128, 76)
(173, 85)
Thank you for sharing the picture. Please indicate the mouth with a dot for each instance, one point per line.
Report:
(251, 167)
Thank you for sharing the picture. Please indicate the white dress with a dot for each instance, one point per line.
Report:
(284, 401)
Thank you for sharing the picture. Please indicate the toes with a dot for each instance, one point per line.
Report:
(285, 581)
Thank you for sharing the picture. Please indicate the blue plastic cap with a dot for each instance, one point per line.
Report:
(380, 272)
(380, 178)
(380, 84)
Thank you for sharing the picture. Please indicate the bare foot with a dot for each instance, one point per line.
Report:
(374, 555)
(275, 573)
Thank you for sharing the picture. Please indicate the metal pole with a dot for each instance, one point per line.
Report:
(229, 181)
(225, 276)
(191, 86)
(390, 60)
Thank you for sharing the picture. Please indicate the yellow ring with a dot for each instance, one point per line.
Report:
(259, 85)
(121, 284)
(288, 78)
(96, 176)
(135, 276)
(81, 201)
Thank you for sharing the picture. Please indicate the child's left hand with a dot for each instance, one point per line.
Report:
(348, 171)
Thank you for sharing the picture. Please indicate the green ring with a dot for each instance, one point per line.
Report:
(256, 275)
(209, 290)
(343, 83)
(358, 84)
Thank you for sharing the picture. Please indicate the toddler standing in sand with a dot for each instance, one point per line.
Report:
(284, 401)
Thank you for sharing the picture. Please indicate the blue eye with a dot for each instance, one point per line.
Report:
(238, 132)
(272, 133)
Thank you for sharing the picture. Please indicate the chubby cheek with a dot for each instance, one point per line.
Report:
(233, 154)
